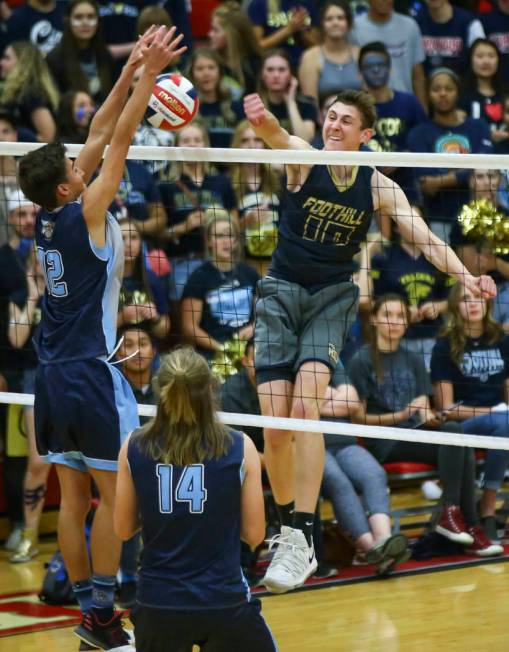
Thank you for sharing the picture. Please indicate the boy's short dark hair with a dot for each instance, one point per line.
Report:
(143, 326)
(363, 102)
(374, 46)
(40, 172)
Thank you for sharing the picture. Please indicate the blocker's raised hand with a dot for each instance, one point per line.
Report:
(162, 49)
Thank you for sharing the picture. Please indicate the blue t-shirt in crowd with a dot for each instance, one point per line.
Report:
(219, 129)
(496, 27)
(470, 137)
(445, 44)
(227, 297)
(479, 377)
(274, 15)
(395, 119)
(43, 29)
(415, 279)
(183, 196)
(136, 191)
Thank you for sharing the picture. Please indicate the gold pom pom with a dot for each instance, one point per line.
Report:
(480, 220)
(228, 361)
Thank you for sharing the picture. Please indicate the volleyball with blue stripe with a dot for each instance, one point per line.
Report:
(173, 103)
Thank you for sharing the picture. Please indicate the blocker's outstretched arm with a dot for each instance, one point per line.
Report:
(389, 197)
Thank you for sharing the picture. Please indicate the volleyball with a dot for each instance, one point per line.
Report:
(173, 103)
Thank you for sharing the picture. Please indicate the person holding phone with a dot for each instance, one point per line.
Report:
(394, 390)
(470, 363)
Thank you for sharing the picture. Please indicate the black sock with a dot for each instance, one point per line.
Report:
(285, 513)
(304, 521)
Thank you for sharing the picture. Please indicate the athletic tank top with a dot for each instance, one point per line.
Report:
(191, 530)
(336, 77)
(321, 229)
(80, 304)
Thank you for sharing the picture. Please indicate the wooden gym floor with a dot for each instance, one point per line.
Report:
(464, 610)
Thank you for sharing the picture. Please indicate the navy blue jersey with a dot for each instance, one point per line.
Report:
(446, 44)
(479, 377)
(496, 27)
(321, 229)
(79, 308)
(191, 530)
(470, 137)
(415, 279)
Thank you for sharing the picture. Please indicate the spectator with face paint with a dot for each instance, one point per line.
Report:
(397, 112)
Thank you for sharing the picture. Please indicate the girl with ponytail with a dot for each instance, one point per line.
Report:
(193, 485)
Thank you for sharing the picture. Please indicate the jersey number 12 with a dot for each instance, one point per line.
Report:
(190, 488)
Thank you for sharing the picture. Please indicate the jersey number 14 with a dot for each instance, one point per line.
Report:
(189, 489)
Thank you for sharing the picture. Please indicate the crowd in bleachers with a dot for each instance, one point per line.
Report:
(198, 236)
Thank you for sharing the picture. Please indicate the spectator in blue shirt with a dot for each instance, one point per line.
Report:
(449, 131)
(496, 27)
(40, 21)
(447, 33)
(470, 364)
(397, 112)
(288, 24)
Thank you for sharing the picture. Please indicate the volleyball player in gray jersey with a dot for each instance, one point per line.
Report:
(307, 302)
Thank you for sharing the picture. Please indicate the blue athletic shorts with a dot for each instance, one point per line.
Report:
(83, 412)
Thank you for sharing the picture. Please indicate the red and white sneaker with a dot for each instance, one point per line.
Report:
(482, 546)
(451, 525)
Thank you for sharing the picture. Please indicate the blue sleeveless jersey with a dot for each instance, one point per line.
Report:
(191, 530)
(321, 229)
(80, 304)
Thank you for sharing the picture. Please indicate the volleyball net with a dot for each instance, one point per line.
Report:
(223, 207)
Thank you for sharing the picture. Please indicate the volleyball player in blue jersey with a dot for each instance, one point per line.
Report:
(307, 302)
(194, 487)
(84, 407)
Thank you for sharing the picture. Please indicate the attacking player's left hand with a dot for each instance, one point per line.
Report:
(483, 286)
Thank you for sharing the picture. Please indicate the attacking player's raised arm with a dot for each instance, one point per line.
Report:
(101, 192)
(392, 201)
(267, 126)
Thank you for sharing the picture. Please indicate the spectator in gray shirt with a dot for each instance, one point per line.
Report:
(402, 37)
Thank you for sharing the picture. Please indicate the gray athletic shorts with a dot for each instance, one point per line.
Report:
(294, 326)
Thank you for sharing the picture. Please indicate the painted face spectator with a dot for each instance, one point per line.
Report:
(397, 112)
(75, 113)
(402, 37)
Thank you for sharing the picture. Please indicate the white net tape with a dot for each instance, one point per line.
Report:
(323, 426)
